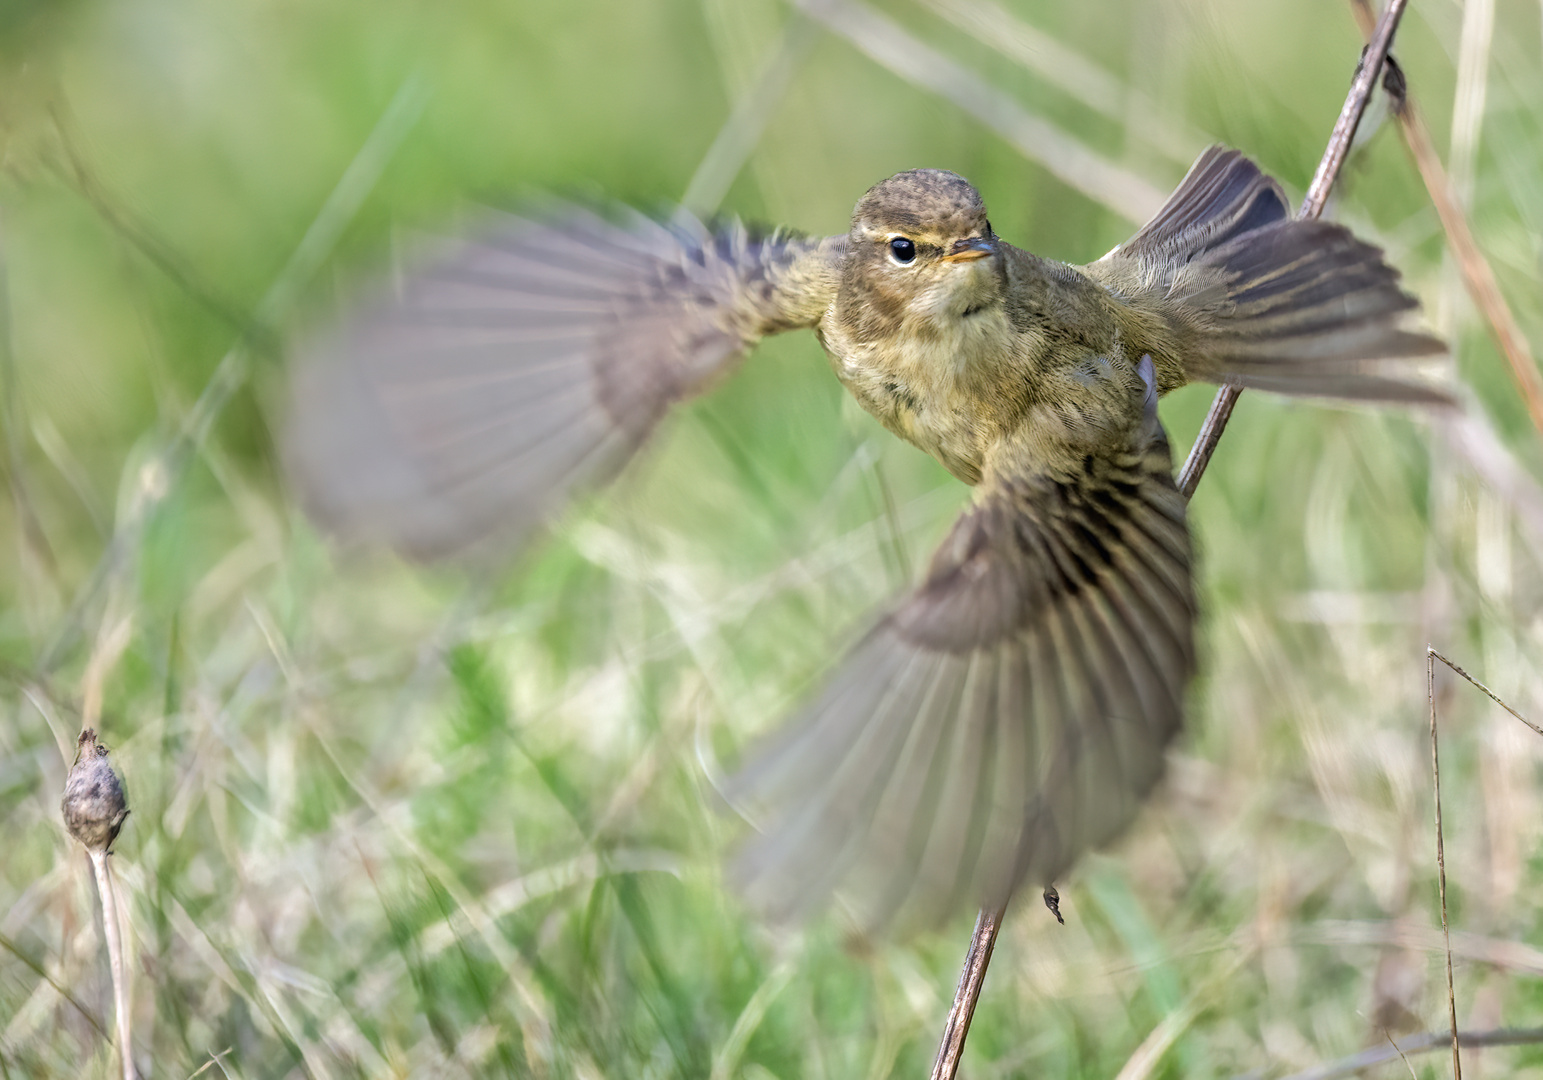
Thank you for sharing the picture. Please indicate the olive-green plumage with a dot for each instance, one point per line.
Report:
(1013, 710)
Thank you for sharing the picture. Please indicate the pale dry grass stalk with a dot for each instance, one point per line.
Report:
(113, 638)
(1478, 32)
(1499, 953)
(1069, 71)
(743, 129)
(108, 893)
(1478, 277)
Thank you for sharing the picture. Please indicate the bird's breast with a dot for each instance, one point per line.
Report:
(949, 386)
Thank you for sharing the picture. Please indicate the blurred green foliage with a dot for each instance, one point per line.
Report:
(403, 821)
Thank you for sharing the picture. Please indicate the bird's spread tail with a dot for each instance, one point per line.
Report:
(1250, 296)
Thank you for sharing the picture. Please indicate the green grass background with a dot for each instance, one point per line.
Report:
(395, 821)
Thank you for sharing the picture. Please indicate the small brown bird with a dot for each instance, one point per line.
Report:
(1013, 710)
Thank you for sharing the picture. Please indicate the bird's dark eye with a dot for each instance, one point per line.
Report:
(902, 250)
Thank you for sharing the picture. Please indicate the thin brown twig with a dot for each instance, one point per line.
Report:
(1487, 691)
(1401, 1055)
(1478, 277)
(1441, 858)
(957, 1028)
(1312, 206)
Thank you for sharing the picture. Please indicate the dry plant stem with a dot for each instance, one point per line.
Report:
(109, 897)
(1478, 277)
(1487, 691)
(1205, 442)
(957, 1029)
(1441, 858)
(1418, 1044)
(1312, 206)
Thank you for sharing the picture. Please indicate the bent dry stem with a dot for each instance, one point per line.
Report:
(989, 922)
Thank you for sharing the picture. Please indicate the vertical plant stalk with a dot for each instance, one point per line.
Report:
(957, 1027)
(1478, 277)
(107, 892)
(1334, 155)
(989, 922)
(94, 808)
(1441, 857)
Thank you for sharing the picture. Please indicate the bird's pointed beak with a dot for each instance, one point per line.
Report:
(968, 250)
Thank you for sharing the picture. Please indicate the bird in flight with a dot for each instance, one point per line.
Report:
(1012, 710)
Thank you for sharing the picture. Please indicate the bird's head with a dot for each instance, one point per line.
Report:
(922, 251)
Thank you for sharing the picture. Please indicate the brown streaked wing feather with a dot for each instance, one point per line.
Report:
(532, 361)
(1007, 716)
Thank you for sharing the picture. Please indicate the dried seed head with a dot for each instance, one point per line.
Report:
(94, 805)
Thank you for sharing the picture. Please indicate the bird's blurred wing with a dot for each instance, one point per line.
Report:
(1008, 715)
(496, 379)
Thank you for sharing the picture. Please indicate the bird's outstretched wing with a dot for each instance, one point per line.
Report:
(1256, 298)
(471, 400)
(1008, 715)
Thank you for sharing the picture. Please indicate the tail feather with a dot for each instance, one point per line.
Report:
(1251, 296)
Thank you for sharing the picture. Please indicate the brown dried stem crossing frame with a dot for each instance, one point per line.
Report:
(957, 1027)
